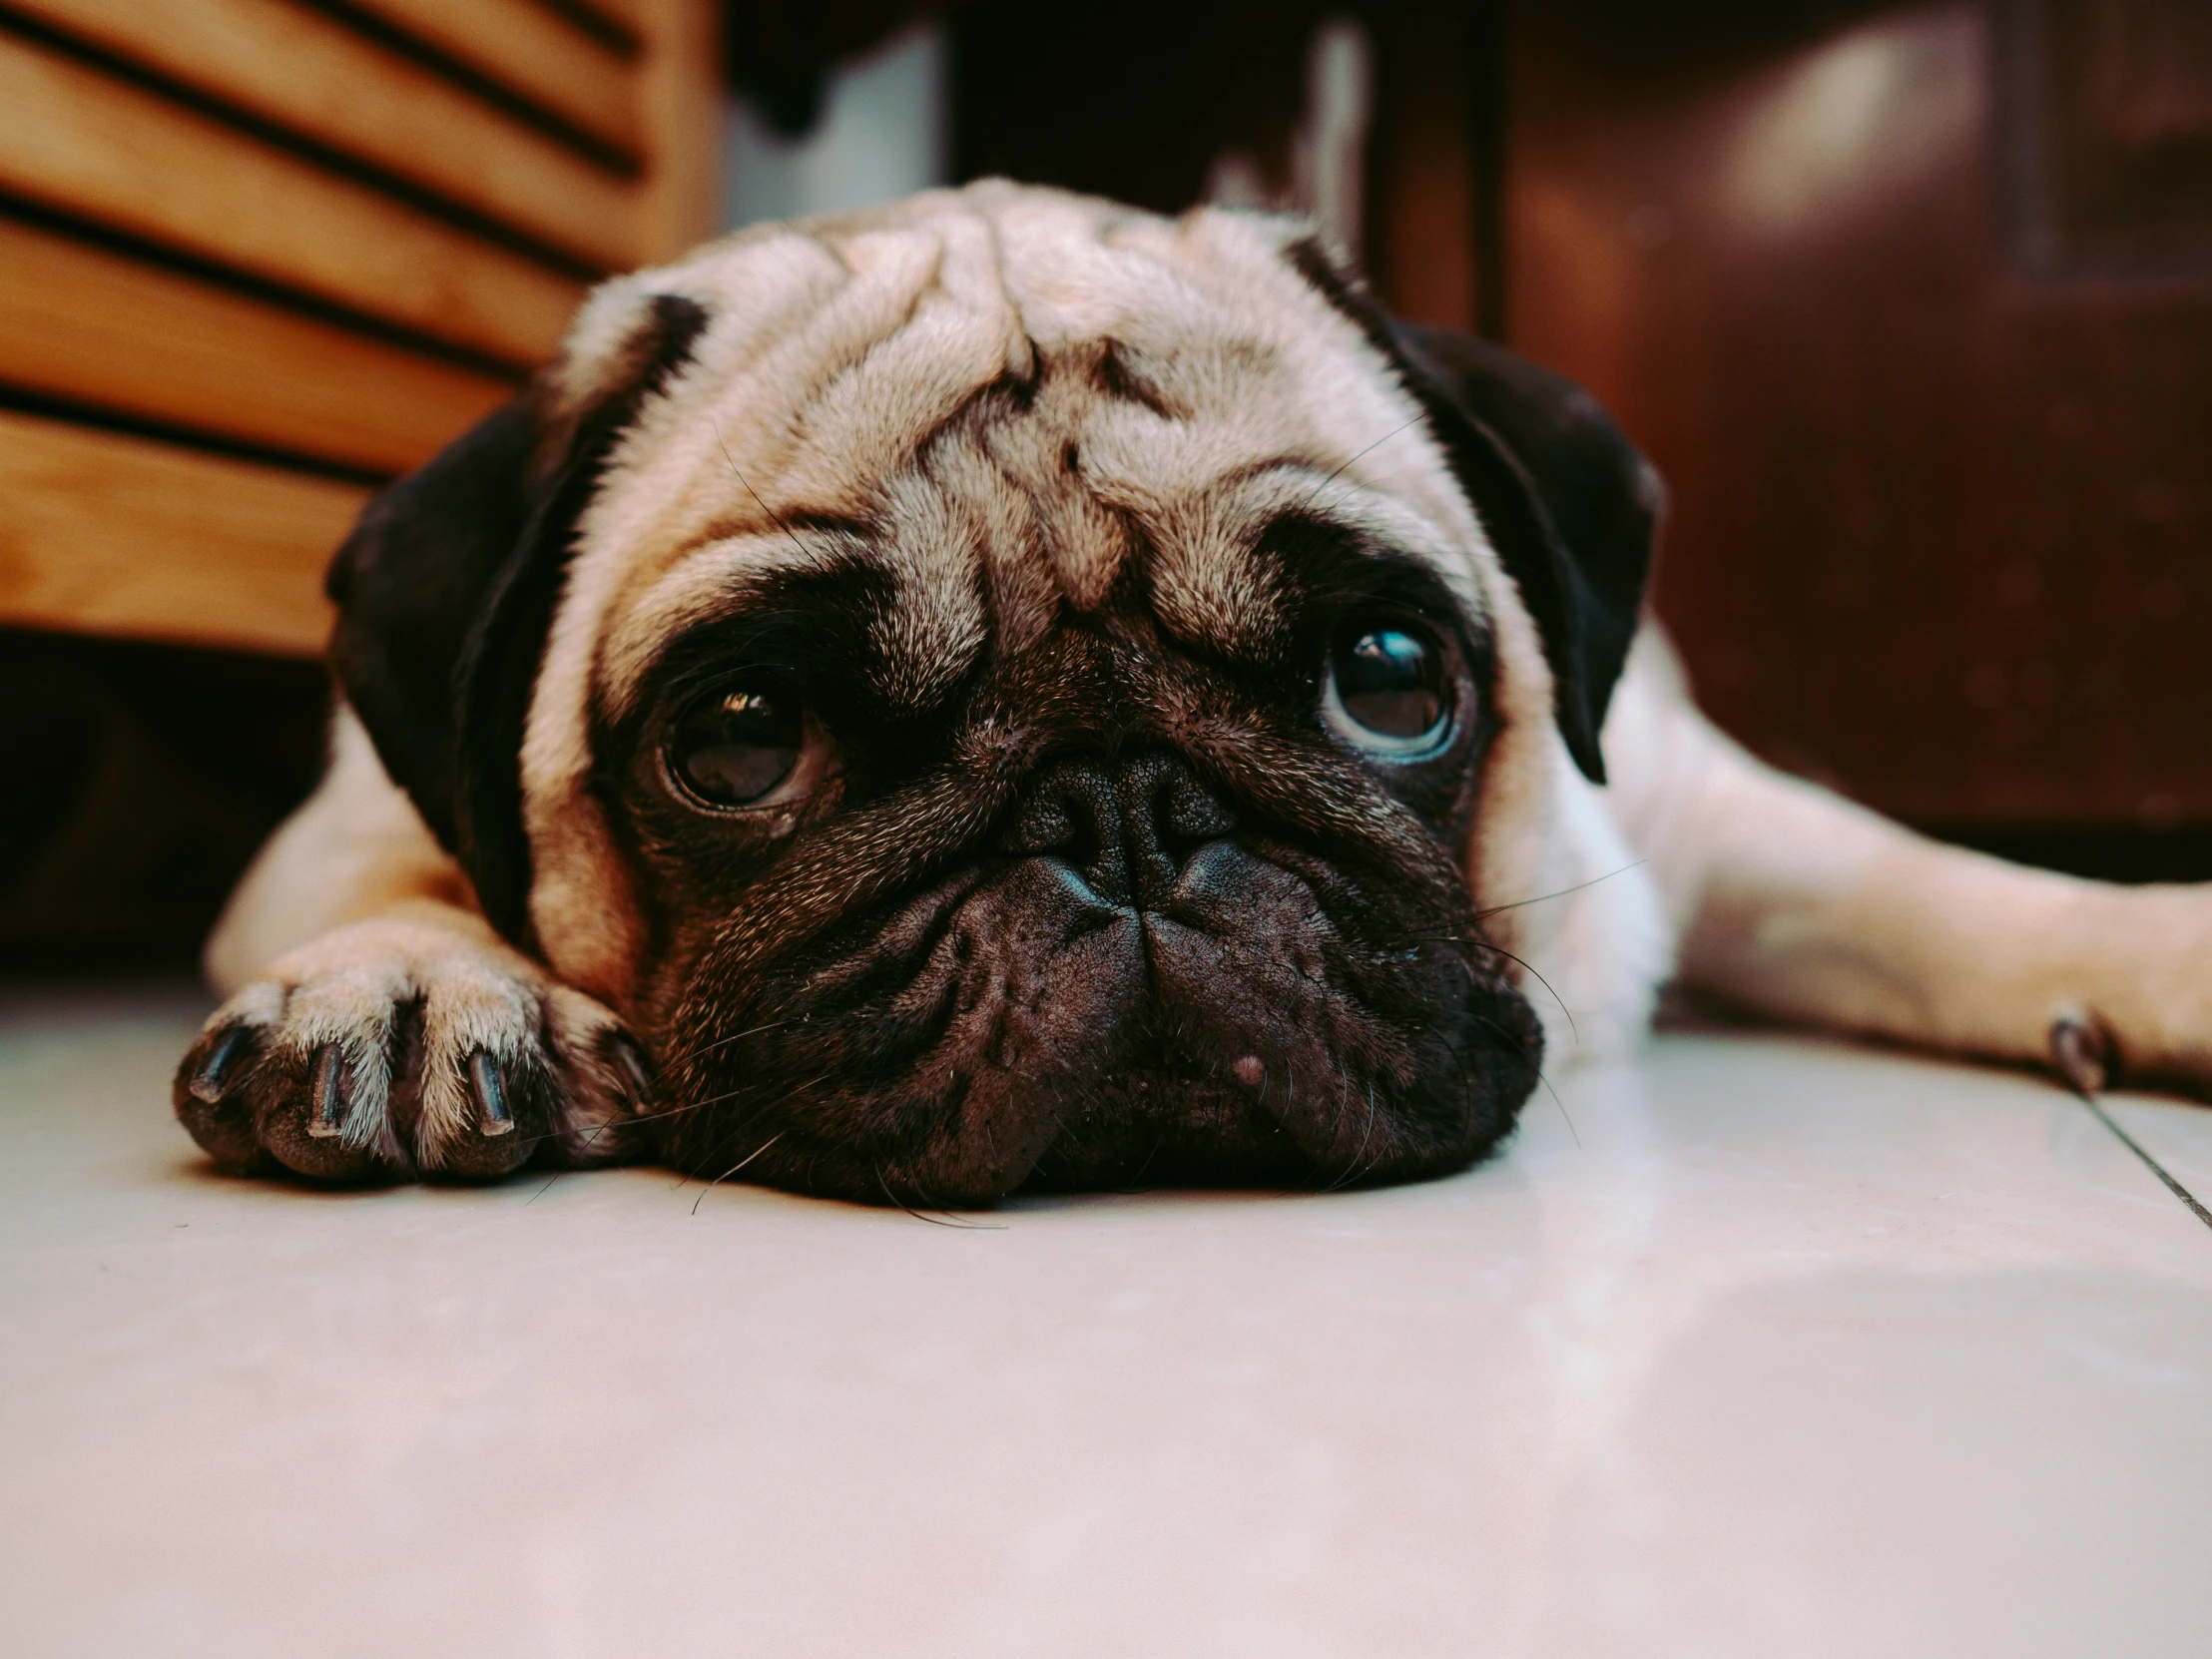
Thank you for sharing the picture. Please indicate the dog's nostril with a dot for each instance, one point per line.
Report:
(1190, 812)
(1070, 810)
(1168, 814)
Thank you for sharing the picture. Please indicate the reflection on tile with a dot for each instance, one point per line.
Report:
(1936, 1462)
(1782, 1347)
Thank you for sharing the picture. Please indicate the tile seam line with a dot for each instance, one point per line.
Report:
(2152, 1164)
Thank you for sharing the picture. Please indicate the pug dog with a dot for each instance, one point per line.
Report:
(1007, 692)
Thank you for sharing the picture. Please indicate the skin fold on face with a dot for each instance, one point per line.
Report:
(953, 885)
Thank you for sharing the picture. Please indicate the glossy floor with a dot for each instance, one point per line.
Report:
(1778, 1348)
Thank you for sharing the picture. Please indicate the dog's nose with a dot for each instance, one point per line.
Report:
(1127, 828)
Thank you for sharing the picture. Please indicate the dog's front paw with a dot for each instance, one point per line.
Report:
(396, 1048)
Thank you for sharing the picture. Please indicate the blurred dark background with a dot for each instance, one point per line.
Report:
(1912, 305)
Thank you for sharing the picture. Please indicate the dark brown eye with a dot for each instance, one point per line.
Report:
(736, 745)
(1389, 688)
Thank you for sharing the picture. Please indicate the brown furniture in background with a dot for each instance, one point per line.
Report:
(256, 256)
(1911, 303)
(1912, 307)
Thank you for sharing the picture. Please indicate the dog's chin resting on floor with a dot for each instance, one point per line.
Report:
(1005, 691)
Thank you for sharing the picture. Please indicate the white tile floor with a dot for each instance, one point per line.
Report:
(1786, 1349)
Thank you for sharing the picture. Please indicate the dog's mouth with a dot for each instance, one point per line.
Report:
(1109, 998)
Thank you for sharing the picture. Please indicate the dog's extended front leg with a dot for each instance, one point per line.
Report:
(1793, 902)
(376, 1025)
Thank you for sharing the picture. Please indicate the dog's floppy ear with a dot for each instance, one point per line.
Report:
(445, 592)
(1570, 507)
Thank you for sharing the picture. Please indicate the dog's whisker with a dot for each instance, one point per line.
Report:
(1545, 897)
(1361, 455)
(713, 1150)
(1562, 1105)
(654, 1117)
(1131, 1187)
(747, 1120)
(1352, 1167)
(733, 1169)
(1521, 1043)
(1568, 1012)
(590, 1141)
(944, 1219)
(739, 1036)
(775, 517)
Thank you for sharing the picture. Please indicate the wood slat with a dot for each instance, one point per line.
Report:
(301, 70)
(95, 146)
(102, 330)
(105, 534)
(532, 52)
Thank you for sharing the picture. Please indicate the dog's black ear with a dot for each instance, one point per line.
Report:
(1571, 508)
(445, 592)
(1567, 501)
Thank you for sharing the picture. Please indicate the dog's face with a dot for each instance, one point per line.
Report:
(1013, 691)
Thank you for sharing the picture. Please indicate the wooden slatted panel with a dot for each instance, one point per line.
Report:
(113, 332)
(301, 70)
(531, 52)
(95, 146)
(107, 534)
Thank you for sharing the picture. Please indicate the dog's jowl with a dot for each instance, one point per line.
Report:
(1004, 692)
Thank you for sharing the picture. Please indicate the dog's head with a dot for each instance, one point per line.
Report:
(1005, 689)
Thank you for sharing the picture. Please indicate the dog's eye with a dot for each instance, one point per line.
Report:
(736, 745)
(1389, 689)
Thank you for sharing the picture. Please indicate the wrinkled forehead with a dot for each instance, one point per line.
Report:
(1006, 395)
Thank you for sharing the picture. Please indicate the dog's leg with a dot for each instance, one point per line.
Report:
(1793, 902)
(376, 1025)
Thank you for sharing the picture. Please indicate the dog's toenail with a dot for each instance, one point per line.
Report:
(492, 1095)
(2079, 1050)
(325, 1119)
(207, 1082)
(632, 1068)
